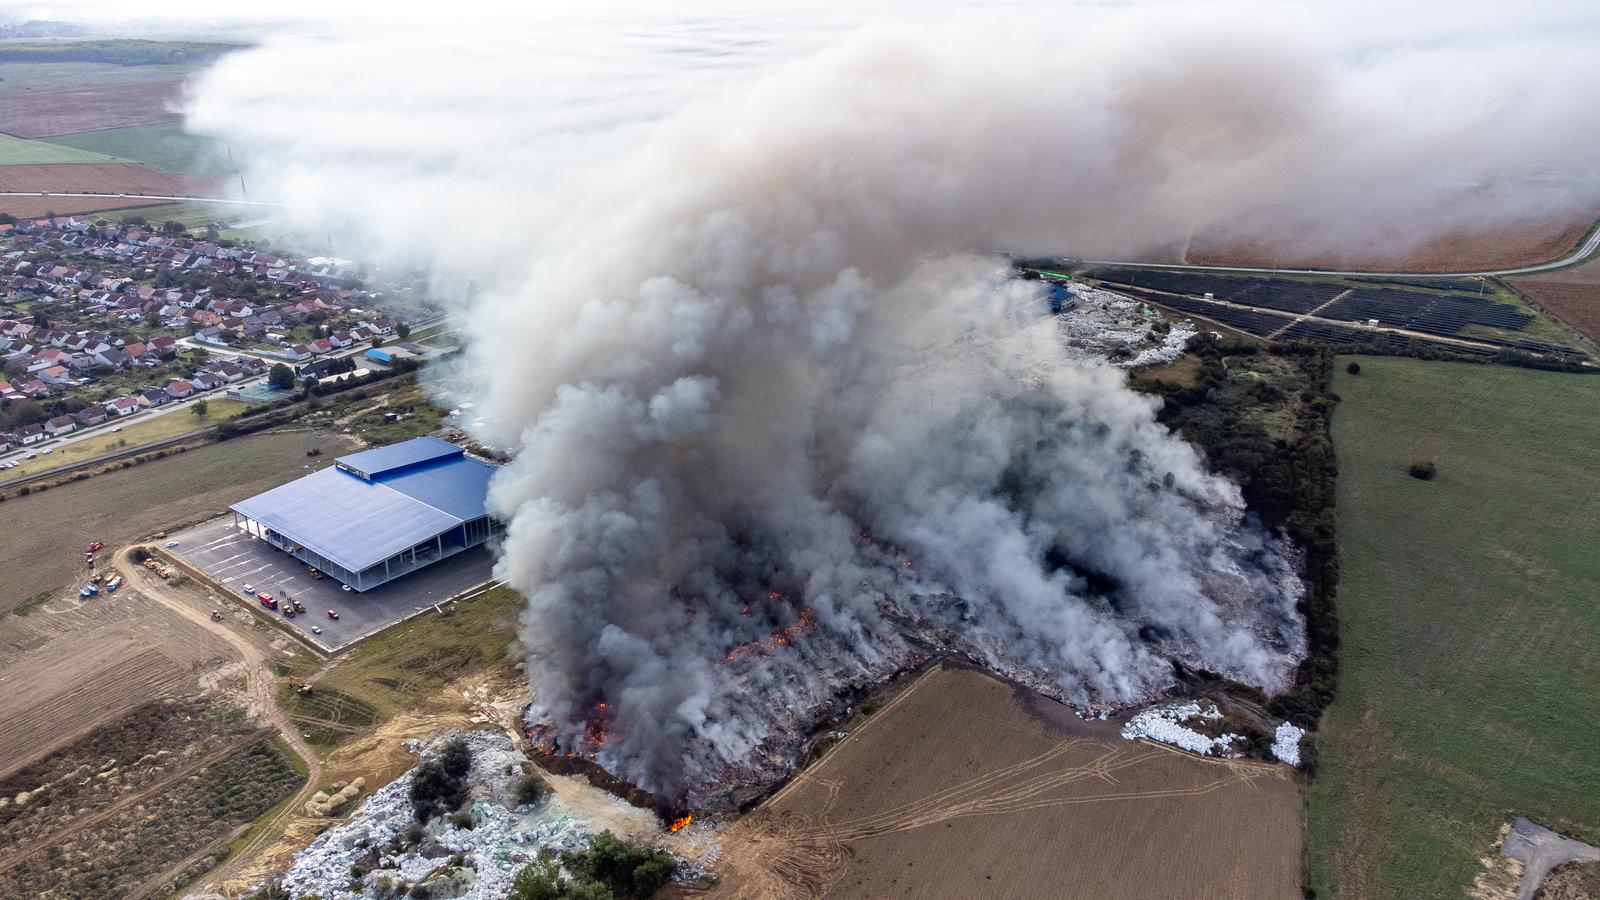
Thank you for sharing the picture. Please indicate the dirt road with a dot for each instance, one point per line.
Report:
(260, 694)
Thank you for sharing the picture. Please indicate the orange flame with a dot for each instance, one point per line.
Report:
(680, 824)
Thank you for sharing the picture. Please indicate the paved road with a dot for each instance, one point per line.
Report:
(1588, 248)
(1541, 850)
(111, 196)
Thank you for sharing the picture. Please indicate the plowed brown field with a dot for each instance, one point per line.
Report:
(1505, 247)
(46, 112)
(964, 787)
(1571, 295)
(36, 207)
(111, 178)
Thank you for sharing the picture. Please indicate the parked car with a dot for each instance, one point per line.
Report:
(249, 589)
(344, 587)
(333, 615)
(316, 629)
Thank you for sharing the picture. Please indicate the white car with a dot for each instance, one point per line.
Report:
(249, 589)
(116, 429)
(172, 543)
(316, 629)
(344, 587)
(48, 450)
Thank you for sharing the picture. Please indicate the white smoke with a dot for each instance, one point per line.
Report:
(773, 408)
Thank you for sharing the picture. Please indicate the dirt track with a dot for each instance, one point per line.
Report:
(254, 645)
(962, 788)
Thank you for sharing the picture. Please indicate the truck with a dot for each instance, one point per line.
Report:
(113, 584)
(298, 606)
(89, 590)
(150, 564)
(267, 600)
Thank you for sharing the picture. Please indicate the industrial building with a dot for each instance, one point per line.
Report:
(379, 514)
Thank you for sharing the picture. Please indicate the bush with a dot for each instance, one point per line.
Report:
(1423, 469)
(1354, 368)
(440, 784)
(630, 871)
(531, 789)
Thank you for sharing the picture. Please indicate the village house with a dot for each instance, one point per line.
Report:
(60, 425)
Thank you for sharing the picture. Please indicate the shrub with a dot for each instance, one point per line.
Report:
(1354, 368)
(531, 789)
(630, 871)
(1423, 469)
(440, 784)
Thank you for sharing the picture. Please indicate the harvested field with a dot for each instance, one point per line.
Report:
(34, 207)
(1470, 639)
(1571, 295)
(1508, 246)
(44, 112)
(109, 178)
(44, 532)
(964, 787)
(108, 815)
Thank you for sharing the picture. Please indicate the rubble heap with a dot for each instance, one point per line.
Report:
(372, 856)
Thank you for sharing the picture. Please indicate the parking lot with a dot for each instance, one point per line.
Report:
(235, 560)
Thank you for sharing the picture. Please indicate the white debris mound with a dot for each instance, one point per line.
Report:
(1286, 743)
(474, 864)
(1167, 725)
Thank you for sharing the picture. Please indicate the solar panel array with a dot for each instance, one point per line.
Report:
(1441, 314)
(1246, 320)
(1414, 307)
(1324, 333)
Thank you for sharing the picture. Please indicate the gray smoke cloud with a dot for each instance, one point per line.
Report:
(773, 407)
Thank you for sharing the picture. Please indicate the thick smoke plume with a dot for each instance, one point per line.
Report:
(778, 419)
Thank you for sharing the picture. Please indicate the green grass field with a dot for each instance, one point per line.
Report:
(164, 146)
(1470, 611)
(140, 429)
(15, 151)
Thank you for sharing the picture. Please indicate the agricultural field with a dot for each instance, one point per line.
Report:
(1571, 295)
(112, 815)
(139, 431)
(69, 109)
(1470, 636)
(1496, 246)
(31, 207)
(164, 146)
(43, 530)
(111, 178)
(962, 786)
(18, 151)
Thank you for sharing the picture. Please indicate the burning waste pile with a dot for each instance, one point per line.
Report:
(779, 435)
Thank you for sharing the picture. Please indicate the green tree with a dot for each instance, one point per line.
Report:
(281, 376)
(628, 870)
(403, 330)
(172, 228)
(200, 408)
(538, 880)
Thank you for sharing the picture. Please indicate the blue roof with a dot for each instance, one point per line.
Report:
(416, 491)
(382, 461)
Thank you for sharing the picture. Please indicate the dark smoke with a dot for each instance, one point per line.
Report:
(778, 419)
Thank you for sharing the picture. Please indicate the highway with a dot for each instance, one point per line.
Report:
(1589, 247)
(110, 196)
